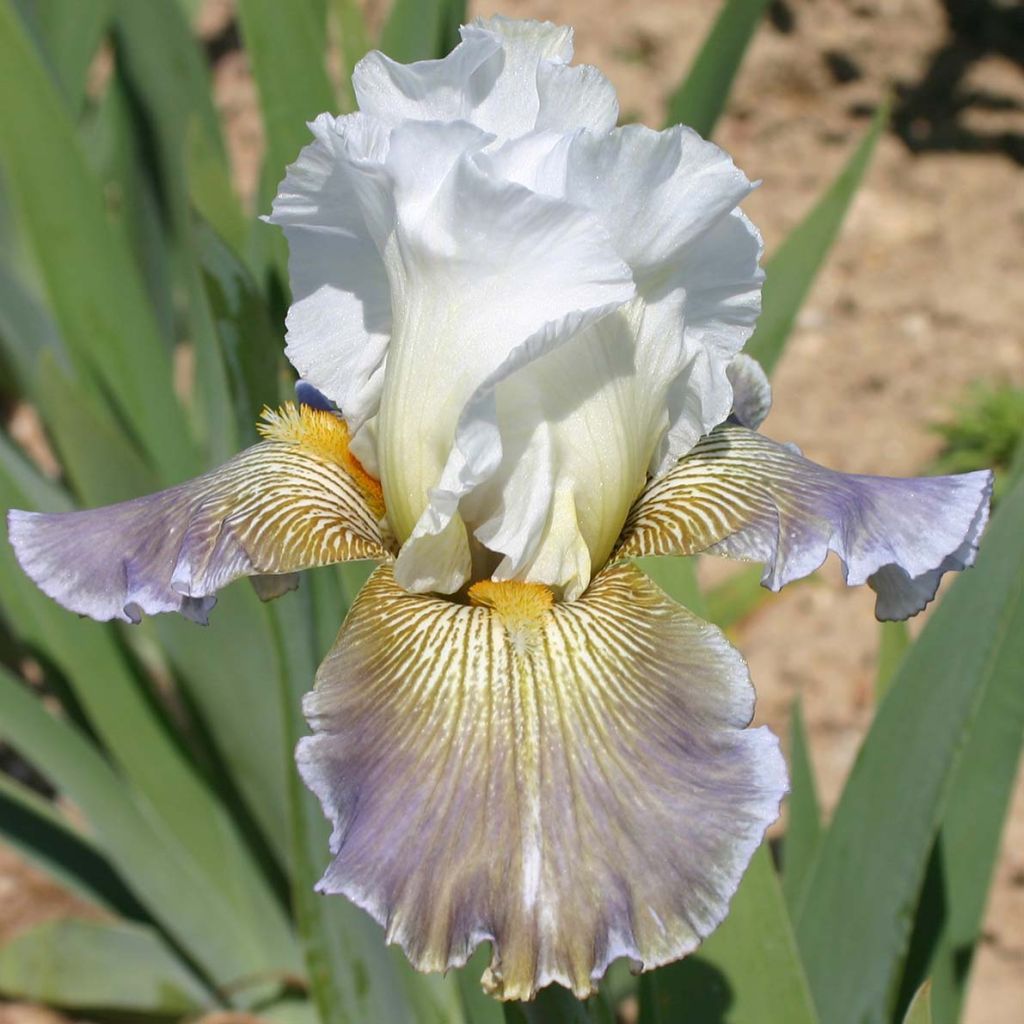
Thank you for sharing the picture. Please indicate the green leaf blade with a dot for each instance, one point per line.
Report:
(90, 278)
(804, 831)
(93, 965)
(701, 98)
(749, 969)
(792, 268)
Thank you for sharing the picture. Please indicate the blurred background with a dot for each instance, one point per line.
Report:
(907, 355)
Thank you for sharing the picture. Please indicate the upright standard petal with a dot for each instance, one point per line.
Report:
(572, 782)
(507, 77)
(294, 501)
(741, 495)
(339, 321)
(486, 277)
(669, 203)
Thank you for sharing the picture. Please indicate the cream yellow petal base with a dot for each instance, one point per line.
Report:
(573, 782)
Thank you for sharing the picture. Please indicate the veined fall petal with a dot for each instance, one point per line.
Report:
(296, 500)
(574, 782)
(744, 496)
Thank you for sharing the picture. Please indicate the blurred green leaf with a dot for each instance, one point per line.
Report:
(210, 188)
(920, 1010)
(27, 329)
(748, 969)
(557, 1005)
(894, 641)
(91, 280)
(146, 853)
(94, 965)
(164, 68)
(732, 600)
(477, 1006)
(167, 74)
(700, 100)
(422, 29)
(100, 461)
(792, 268)
(355, 43)
(804, 827)
(68, 33)
(950, 912)
(285, 43)
(872, 861)
(33, 826)
(227, 670)
(38, 491)
(112, 140)
(250, 344)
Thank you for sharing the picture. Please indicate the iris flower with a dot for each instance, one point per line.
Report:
(521, 329)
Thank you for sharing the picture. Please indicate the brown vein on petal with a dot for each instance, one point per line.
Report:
(709, 494)
(587, 796)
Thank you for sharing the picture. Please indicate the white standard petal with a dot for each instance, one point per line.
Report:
(669, 202)
(339, 322)
(486, 276)
(507, 77)
(578, 429)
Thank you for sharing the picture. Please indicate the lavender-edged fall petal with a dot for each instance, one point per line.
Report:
(573, 782)
(744, 496)
(294, 501)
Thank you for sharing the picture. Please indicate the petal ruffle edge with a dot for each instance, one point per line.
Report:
(744, 496)
(574, 783)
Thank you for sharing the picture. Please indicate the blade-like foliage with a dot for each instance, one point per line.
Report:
(804, 828)
(93, 965)
(91, 281)
(33, 827)
(748, 969)
(422, 29)
(355, 43)
(68, 33)
(872, 861)
(894, 639)
(147, 854)
(792, 268)
(700, 100)
(286, 46)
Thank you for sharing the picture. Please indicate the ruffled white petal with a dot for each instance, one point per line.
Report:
(339, 322)
(511, 218)
(578, 427)
(486, 276)
(507, 77)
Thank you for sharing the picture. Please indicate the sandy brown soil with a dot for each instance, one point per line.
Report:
(922, 295)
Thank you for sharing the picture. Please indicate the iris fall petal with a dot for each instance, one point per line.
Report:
(573, 782)
(294, 501)
(744, 496)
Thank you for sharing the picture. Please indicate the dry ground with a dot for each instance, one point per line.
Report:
(923, 294)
